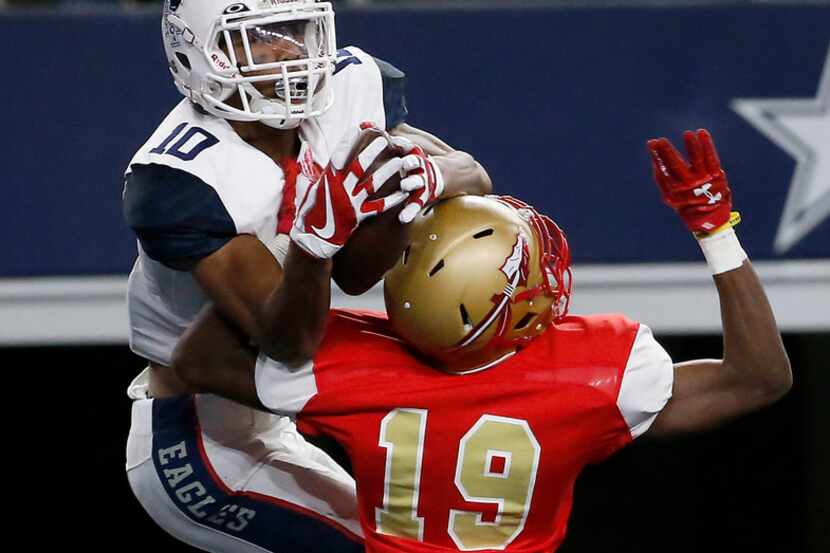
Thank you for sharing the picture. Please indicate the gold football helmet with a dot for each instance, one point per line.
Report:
(480, 278)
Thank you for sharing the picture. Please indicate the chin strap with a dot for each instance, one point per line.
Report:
(258, 103)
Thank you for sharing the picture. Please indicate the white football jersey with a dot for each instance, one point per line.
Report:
(195, 184)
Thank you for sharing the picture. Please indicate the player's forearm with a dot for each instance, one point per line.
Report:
(293, 317)
(354, 271)
(754, 372)
(215, 357)
(430, 143)
(462, 175)
(753, 349)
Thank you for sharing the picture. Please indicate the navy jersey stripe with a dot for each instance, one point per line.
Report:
(194, 488)
(175, 214)
(344, 59)
(394, 93)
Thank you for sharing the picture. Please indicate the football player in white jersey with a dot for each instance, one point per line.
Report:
(244, 197)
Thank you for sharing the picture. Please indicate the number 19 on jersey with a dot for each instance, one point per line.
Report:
(497, 462)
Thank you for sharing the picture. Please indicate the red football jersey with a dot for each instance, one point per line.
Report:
(476, 462)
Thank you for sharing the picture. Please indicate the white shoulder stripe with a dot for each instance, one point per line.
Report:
(284, 390)
(647, 383)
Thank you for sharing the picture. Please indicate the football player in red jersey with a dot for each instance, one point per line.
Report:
(473, 440)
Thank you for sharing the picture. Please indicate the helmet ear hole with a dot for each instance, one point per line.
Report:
(483, 234)
(465, 317)
(183, 60)
(438, 267)
(406, 255)
(524, 321)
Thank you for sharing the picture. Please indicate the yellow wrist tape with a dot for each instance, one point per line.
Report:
(734, 220)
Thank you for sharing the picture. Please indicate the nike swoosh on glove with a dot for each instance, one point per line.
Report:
(338, 201)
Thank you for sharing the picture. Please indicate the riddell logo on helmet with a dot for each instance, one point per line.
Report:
(219, 62)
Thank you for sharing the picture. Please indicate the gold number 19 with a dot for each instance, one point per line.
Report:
(508, 483)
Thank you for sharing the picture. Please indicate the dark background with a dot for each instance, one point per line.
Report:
(759, 485)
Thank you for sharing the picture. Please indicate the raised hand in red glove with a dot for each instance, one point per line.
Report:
(338, 201)
(697, 190)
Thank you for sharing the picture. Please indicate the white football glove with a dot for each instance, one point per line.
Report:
(338, 201)
(424, 181)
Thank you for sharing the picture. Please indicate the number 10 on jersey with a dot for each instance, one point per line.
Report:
(497, 462)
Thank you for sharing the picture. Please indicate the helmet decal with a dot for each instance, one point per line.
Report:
(515, 269)
(220, 61)
(515, 266)
(172, 33)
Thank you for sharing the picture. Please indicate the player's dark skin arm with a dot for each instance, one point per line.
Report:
(282, 310)
(217, 359)
(216, 355)
(462, 175)
(241, 279)
(245, 283)
(754, 372)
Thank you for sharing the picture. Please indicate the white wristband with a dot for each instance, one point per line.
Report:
(278, 246)
(723, 251)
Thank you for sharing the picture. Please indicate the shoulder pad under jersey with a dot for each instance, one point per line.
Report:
(369, 88)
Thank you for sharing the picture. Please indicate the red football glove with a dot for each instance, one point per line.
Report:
(424, 181)
(698, 190)
(337, 202)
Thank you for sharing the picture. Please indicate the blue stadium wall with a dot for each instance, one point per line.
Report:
(557, 104)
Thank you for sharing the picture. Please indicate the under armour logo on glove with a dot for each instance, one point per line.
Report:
(424, 181)
(698, 190)
(704, 191)
(338, 201)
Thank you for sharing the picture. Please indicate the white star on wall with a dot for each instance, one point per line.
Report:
(801, 127)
